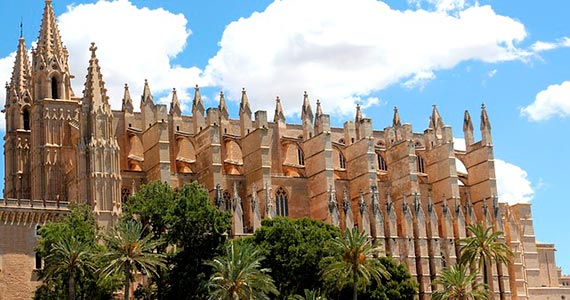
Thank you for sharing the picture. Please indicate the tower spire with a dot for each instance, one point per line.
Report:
(319, 109)
(436, 122)
(468, 129)
(358, 116)
(244, 103)
(486, 138)
(223, 107)
(306, 111)
(127, 100)
(175, 104)
(21, 74)
(197, 102)
(95, 92)
(49, 41)
(279, 115)
(147, 95)
(396, 121)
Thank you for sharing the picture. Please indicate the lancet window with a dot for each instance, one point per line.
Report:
(282, 202)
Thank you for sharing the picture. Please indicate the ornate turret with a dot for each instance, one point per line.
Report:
(307, 117)
(175, 108)
(50, 61)
(127, 100)
(486, 138)
(468, 130)
(198, 111)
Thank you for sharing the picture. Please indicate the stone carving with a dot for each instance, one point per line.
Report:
(347, 208)
(333, 208)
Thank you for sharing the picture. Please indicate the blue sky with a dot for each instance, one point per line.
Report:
(511, 55)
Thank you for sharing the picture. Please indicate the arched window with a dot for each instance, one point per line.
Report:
(342, 160)
(382, 165)
(421, 165)
(26, 119)
(125, 194)
(282, 202)
(300, 156)
(54, 94)
(227, 200)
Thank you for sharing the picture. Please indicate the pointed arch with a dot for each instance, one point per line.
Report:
(382, 165)
(54, 88)
(282, 202)
(421, 164)
(26, 118)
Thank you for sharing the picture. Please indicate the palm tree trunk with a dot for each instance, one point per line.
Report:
(127, 282)
(71, 286)
(355, 288)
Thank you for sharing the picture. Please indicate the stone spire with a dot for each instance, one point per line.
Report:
(147, 95)
(319, 111)
(127, 100)
(49, 41)
(244, 103)
(486, 138)
(223, 107)
(197, 101)
(306, 111)
(175, 104)
(468, 129)
(435, 122)
(21, 73)
(95, 92)
(396, 121)
(198, 119)
(279, 115)
(358, 116)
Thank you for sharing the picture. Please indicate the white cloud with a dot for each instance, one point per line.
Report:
(512, 183)
(553, 101)
(540, 46)
(6, 66)
(133, 44)
(419, 80)
(441, 5)
(344, 53)
(492, 73)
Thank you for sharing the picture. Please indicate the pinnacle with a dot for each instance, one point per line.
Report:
(396, 121)
(279, 115)
(485, 123)
(94, 85)
(127, 100)
(50, 39)
(175, 104)
(306, 111)
(244, 103)
(21, 72)
(435, 121)
(358, 117)
(222, 106)
(467, 123)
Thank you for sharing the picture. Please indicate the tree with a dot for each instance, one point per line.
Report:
(483, 248)
(354, 262)
(309, 295)
(294, 247)
(130, 250)
(459, 284)
(238, 275)
(72, 256)
(400, 285)
(68, 247)
(198, 232)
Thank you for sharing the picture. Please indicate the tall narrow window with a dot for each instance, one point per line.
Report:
(282, 202)
(342, 161)
(227, 200)
(38, 261)
(125, 194)
(421, 165)
(54, 94)
(26, 119)
(300, 156)
(382, 165)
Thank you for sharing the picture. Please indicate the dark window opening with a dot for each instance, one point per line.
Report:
(54, 94)
(38, 261)
(352, 140)
(26, 117)
(177, 128)
(227, 200)
(421, 165)
(225, 130)
(300, 156)
(130, 125)
(382, 163)
(282, 201)
(342, 161)
(125, 194)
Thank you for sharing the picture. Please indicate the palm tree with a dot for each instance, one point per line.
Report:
(459, 284)
(483, 248)
(238, 274)
(129, 250)
(69, 256)
(354, 262)
(309, 295)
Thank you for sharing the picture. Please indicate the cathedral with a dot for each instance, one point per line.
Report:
(413, 191)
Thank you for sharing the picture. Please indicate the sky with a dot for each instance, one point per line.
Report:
(513, 56)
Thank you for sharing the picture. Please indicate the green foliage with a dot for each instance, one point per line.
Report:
(294, 247)
(400, 286)
(130, 250)
(198, 230)
(238, 275)
(457, 283)
(309, 295)
(483, 247)
(69, 247)
(354, 262)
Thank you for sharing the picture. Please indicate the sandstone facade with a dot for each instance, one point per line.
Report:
(411, 190)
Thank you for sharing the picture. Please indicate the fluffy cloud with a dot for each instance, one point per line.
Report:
(441, 5)
(540, 46)
(512, 181)
(6, 65)
(553, 101)
(344, 53)
(133, 43)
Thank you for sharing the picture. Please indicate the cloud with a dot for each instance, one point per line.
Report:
(512, 181)
(133, 44)
(344, 53)
(6, 66)
(492, 73)
(441, 5)
(540, 46)
(553, 101)
(419, 80)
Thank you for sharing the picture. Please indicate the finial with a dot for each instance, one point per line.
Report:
(126, 86)
(146, 81)
(174, 90)
(243, 90)
(21, 28)
(482, 105)
(278, 99)
(197, 87)
(221, 93)
(305, 94)
(93, 48)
